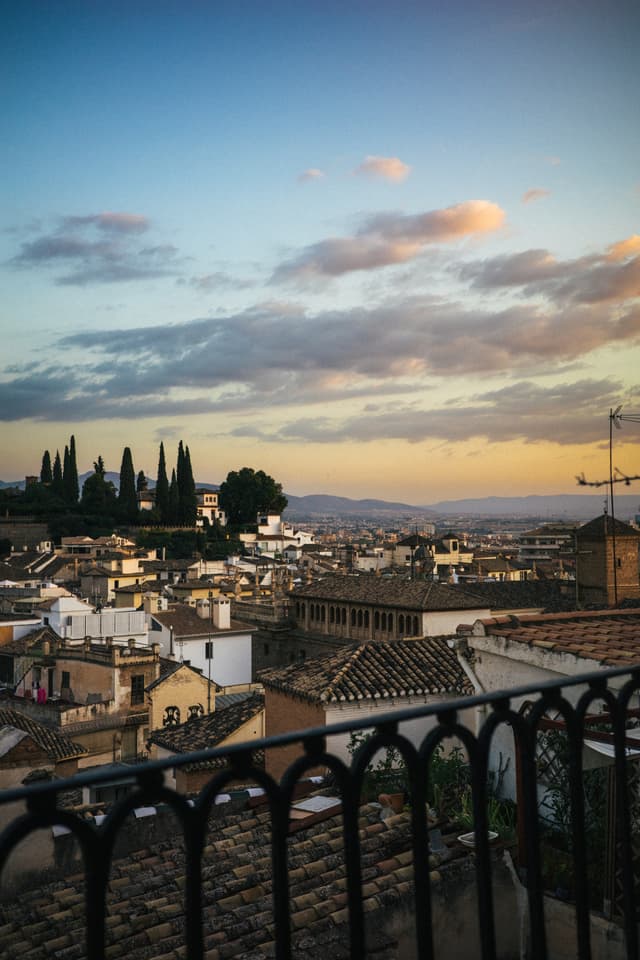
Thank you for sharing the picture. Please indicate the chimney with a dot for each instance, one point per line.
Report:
(221, 613)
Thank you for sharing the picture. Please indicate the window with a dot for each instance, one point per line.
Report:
(266, 649)
(195, 710)
(137, 689)
(65, 683)
(208, 650)
(171, 717)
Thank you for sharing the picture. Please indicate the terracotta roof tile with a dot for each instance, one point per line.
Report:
(373, 670)
(389, 592)
(608, 636)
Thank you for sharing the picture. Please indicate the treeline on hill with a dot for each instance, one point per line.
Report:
(99, 507)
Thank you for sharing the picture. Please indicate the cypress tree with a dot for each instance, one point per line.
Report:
(72, 485)
(141, 482)
(180, 478)
(189, 504)
(56, 480)
(162, 488)
(127, 500)
(46, 475)
(174, 499)
(66, 473)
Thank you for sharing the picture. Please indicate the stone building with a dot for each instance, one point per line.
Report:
(607, 562)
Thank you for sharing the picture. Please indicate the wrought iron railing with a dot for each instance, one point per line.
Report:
(572, 700)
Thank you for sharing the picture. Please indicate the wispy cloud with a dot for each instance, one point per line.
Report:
(569, 413)
(98, 248)
(389, 238)
(612, 276)
(218, 280)
(308, 176)
(110, 222)
(385, 168)
(535, 193)
(236, 363)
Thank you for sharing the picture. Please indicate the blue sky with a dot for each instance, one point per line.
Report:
(378, 250)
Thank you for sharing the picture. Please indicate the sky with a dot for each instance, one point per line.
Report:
(376, 249)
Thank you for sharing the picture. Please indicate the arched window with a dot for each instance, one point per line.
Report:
(390, 623)
(303, 609)
(344, 616)
(383, 621)
(353, 618)
(401, 624)
(323, 613)
(359, 618)
(195, 710)
(416, 628)
(366, 618)
(376, 621)
(332, 614)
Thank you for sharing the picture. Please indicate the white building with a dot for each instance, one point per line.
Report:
(207, 638)
(208, 508)
(274, 536)
(74, 621)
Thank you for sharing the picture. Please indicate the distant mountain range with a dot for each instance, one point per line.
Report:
(565, 506)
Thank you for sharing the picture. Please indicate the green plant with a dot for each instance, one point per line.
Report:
(386, 775)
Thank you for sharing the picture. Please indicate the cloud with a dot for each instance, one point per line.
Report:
(219, 280)
(609, 277)
(110, 222)
(278, 354)
(311, 174)
(390, 238)
(624, 248)
(98, 248)
(386, 168)
(536, 193)
(569, 413)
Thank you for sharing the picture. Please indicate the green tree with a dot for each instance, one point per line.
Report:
(71, 476)
(66, 472)
(98, 494)
(141, 482)
(57, 484)
(127, 499)
(162, 488)
(188, 499)
(46, 473)
(173, 510)
(245, 493)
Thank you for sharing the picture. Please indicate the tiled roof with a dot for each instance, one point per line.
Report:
(186, 622)
(145, 905)
(373, 671)
(609, 636)
(388, 592)
(167, 669)
(52, 743)
(206, 732)
(514, 594)
(33, 639)
(605, 526)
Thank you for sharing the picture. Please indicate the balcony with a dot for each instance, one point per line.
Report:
(343, 877)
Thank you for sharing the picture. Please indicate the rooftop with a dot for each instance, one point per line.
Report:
(56, 746)
(373, 671)
(389, 592)
(611, 637)
(202, 733)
